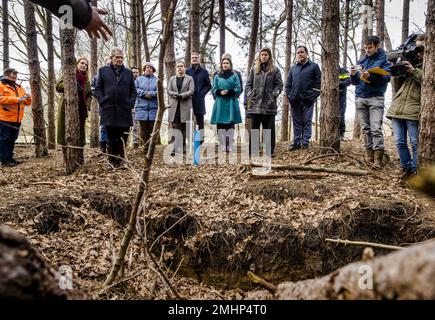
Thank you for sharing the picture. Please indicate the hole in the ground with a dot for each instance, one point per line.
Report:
(112, 205)
(222, 255)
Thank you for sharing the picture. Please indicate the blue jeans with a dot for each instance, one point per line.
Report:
(302, 116)
(103, 133)
(8, 135)
(401, 129)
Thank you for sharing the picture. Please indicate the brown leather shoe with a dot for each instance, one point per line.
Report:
(379, 156)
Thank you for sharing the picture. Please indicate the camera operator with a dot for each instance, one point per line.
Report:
(405, 109)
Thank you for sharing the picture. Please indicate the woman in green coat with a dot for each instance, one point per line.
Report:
(226, 111)
(84, 102)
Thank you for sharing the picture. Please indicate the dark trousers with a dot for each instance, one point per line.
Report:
(200, 123)
(302, 116)
(267, 122)
(116, 140)
(226, 135)
(8, 135)
(182, 128)
(145, 131)
(342, 110)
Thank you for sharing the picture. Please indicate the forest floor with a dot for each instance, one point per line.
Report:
(209, 224)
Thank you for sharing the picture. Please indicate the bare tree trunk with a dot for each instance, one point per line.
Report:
(405, 20)
(329, 114)
(206, 39)
(5, 23)
(73, 154)
(403, 275)
(285, 123)
(170, 47)
(144, 27)
(133, 34)
(345, 32)
(426, 144)
(94, 139)
(35, 81)
(222, 26)
(50, 82)
(254, 34)
(137, 29)
(195, 25)
(143, 187)
(380, 23)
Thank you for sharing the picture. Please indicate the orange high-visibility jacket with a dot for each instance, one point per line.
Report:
(11, 109)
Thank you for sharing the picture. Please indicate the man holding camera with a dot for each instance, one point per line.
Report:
(405, 109)
(369, 92)
(13, 99)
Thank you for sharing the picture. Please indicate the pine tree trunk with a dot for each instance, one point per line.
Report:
(346, 32)
(50, 82)
(170, 47)
(329, 114)
(222, 27)
(195, 26)
(285, 123)
(426, 145)
(95, 121)
(405, 20)
(73, 155)
(5, 23)
(380, 23)
(144, 31)
(35, 81)
(254, 34)
(138, 37)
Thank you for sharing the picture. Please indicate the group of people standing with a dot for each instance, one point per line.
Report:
(127, 98)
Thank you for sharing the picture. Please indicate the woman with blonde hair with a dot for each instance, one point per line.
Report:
(84, 93)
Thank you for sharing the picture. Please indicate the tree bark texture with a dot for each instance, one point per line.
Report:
(426, 144)
(170, 47)
(329, 114)
(50, 82)
(5, 26)
(380, 20)
(95, 118)
(345, 32)
(405, 19)
(285, 120)
(195, 25)
(221, 27)
(403, 275)
(73, 154)
(35, 81)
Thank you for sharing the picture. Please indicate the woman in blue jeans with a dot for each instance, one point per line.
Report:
(405, 110)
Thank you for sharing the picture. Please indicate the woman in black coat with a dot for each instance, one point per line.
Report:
(116, 94)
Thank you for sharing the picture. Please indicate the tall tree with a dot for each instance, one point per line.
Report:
(5, 23)
(94, 141)
(285, 123)
(222, 27)
(133, 32)
(137, 29)
(144, 29)
(405, 19)
(380, 20)
(329, 115)
(426, 144)
(51, 80)
(35, 81)
(170, 46)
(195, 25)
(73, 154)
(346, 32)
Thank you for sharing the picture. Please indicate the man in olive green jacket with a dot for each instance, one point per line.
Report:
(404, 112)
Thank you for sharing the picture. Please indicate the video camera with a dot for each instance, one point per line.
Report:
(407, 51)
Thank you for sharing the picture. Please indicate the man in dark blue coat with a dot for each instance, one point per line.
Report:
(116, 94)
(302, 89)
(201, 79)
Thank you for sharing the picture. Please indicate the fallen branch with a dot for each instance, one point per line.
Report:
(312, 168)
(331, 155)
(263, 283)
(48, 183)
(364, 244)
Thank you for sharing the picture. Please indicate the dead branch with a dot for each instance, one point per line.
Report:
(331, 155)
(263, 283)
(289, 176)
(364, 244)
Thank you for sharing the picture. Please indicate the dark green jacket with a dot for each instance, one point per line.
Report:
(406, 103)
